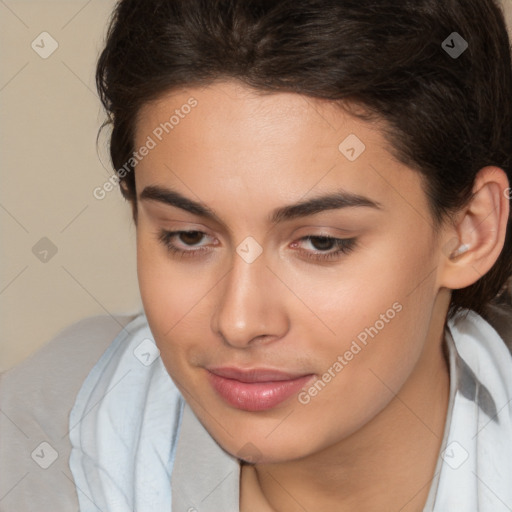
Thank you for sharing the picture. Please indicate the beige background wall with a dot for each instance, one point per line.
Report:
(50, 115)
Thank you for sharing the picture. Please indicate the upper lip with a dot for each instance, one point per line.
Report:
(254, 374)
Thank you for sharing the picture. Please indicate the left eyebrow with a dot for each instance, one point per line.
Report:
(312, 206)
(315, 205)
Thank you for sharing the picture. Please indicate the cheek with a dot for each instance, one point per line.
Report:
(378, 317)
(161, 286)
(167, 290)
(376, 346)
(174, 296)
(366, 286)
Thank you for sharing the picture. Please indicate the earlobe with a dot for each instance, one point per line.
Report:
(478, 233)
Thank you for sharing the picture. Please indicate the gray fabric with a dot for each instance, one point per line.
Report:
(205, 478)
(36, 398)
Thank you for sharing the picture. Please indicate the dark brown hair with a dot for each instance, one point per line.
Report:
(446, 116)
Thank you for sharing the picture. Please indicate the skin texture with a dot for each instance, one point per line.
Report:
(370, 439)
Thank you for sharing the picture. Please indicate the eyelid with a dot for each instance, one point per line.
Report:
(324, 230)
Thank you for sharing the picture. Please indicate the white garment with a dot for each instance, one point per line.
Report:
(477, 471)
(125, 431)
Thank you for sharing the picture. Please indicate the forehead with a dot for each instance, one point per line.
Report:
(270, 117)
(236, 140)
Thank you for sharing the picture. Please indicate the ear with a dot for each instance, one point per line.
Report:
(476, 236)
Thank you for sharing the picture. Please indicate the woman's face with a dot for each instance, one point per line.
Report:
(282, 344)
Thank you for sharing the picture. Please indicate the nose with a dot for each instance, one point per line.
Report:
(250, 309)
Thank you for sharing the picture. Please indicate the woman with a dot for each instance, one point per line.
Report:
(321, 196)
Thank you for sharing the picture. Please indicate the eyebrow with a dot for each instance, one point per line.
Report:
(312, 206)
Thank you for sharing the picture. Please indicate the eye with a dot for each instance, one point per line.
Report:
(323, 246)
(188, 239)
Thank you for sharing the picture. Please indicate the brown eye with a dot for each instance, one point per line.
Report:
(322, 243)
(190, 237)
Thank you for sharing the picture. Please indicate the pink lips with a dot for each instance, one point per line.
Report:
(256, 389)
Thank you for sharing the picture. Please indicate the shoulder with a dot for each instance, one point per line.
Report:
(56, 371)
(36, 398)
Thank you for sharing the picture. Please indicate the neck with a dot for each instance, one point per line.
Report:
(386, 465)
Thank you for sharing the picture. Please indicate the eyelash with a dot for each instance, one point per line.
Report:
(345, 245)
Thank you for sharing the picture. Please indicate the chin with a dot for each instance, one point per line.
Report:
(255, 447)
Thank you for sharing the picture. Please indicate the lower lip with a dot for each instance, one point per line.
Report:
(256, 396)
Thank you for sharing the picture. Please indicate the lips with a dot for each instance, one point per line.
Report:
(256, 389)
